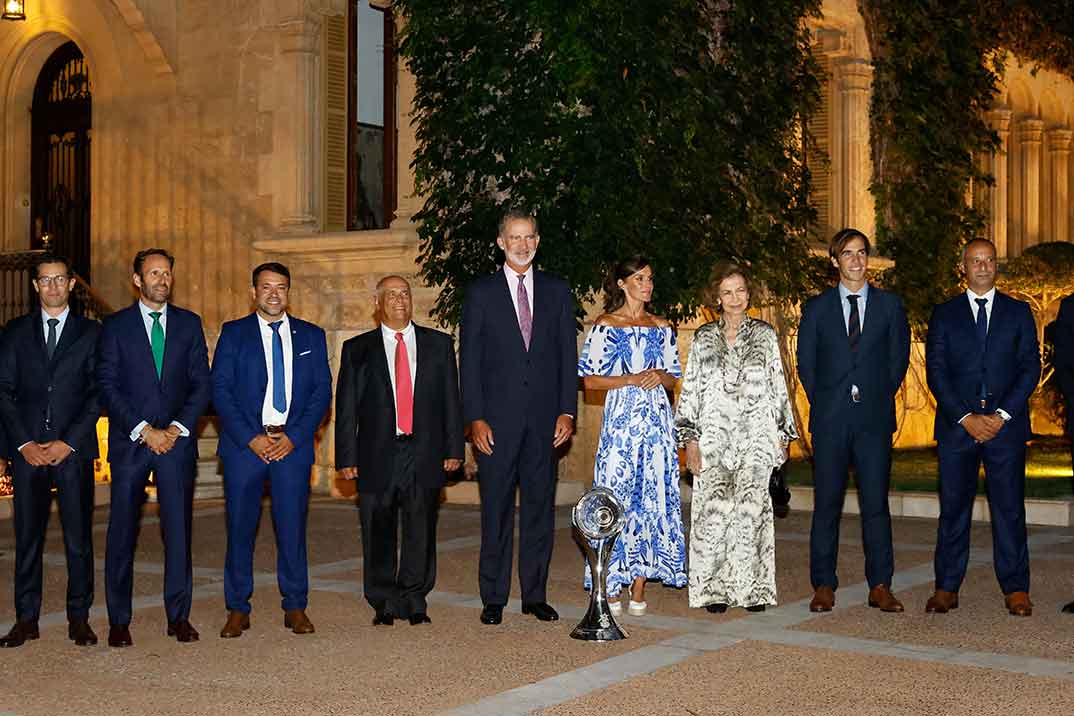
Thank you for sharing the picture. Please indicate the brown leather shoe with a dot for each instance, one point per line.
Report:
(80, 633)
(237, 623)
(823, 600)
(880, 597)
(297, 621)
(941, 602)
(183, 631)
(21, 633)
(1018, 604)
(119, 635)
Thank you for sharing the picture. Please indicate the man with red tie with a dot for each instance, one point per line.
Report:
(398, 432)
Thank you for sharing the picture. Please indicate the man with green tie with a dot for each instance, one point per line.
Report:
(153, 378)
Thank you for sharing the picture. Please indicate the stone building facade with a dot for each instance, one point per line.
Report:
(213, 136)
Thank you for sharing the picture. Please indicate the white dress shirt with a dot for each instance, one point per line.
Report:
(59, 326)
(411, 343)
(136, 434)
(269, 414)
(512, 285)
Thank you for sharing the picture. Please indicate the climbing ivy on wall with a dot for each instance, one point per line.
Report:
(671, 129)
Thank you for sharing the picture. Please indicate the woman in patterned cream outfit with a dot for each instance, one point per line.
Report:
(735, 421)
(632, 354)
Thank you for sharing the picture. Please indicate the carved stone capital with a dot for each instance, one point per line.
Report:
(1059, 140)
(299, 34)
(1030, 131)
(855, 76)
(999, 119)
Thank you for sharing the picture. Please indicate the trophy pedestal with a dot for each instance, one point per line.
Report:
(598, 625)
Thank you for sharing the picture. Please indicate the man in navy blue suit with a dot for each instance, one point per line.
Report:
(153, 381)
(853, 352)
(271, 388)
(518, 364)
(48, 403)
(983, 363)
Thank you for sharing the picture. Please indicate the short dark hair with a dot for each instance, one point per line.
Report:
(843, 237)
(515, 213)
(141, 256)
(615, 297)
(274, 267)
(43, 259)
(723, 271)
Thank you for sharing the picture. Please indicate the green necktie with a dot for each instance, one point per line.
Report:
(157, 341)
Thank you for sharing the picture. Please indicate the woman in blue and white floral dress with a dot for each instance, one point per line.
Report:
(632, 354)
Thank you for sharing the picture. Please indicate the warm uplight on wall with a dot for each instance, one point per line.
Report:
(14, 10)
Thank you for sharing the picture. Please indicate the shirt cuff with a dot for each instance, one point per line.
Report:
(136, 434)
(964, 417)
(20, 447)
(1003, 414)
(183, 432)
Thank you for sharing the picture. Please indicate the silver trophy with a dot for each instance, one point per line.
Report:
(598, 519)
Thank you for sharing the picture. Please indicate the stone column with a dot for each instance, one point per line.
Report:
(408, 204)
(1059, 153)
(1030, 133)
(296, 136)
(855, 82)
(1000, 121)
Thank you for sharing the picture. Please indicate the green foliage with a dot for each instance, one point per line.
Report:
(931, 90)
(668, 128)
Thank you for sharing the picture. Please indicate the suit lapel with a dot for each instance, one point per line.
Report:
(142, 349)
(541, 308)
(421, 342)
(299, 339)
(39, 335)
(379, 365)
(253, 337)
(72, 329)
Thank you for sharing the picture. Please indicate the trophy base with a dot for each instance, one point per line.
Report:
(613, 632)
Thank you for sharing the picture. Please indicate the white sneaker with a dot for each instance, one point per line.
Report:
(616, 608)
(636, 609)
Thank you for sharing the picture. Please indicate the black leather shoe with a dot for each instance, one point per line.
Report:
(21, 633)
(542, 611)
(183, 631)
(492, 614)
(119, 635)
(755, 608)
(81, 634)
(1069, 608)
(383, 618)
(718, 608)
(420, 618)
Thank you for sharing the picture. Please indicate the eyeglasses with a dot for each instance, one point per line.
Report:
(58, 279)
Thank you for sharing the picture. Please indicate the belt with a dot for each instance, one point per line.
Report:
(404, 437)
(273, 429)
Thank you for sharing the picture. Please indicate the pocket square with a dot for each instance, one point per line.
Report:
(305, 353)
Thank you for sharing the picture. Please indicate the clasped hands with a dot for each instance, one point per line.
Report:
(52, 452)
(481, 433)
(271, 448)
(451, 464)
(647, 379)
(982, 428)
(160, 441)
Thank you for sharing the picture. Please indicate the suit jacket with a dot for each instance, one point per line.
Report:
(64, 388)
(1063, 357)
(365, 409)
(828, 368)
(503, 383)
(240, 380)
(129, 388)
(1009, 366)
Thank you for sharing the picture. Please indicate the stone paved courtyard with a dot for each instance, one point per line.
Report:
(678, 660)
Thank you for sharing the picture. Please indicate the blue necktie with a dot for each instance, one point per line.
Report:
(982, 323)
(279, 384)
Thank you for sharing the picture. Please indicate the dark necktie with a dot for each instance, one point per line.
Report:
(982, 322)
(279, 378)
(854, 322)
(50, 342)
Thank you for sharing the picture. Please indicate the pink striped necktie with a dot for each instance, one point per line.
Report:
(525, 316)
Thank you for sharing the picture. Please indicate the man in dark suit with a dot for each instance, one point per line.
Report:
(983, 363)
(1063, 360)
(48, 403)
(271, 388)
(853, 352)
(153, 381)
(398, 431)
(518, 362)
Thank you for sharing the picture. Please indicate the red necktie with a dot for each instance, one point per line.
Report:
(404, 388)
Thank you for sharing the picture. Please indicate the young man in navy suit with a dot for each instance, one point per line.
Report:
(519, 364)
(153, 381)
(48, 402)
(983, 363)
(853, 352)
(271, 388)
